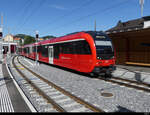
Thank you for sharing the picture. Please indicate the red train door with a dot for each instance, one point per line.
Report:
(51, 54)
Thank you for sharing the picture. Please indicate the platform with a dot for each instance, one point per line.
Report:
(139, 64)
(138, 73)
(10, 98)
(5, 102)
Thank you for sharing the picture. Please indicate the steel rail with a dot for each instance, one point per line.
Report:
(77, 99)
(131, 81)
(49, 100)
(113, 80)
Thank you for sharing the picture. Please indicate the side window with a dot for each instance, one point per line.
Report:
(82, 47)
(86, 47)
(61, 48)
(27, 50)
(44, 51)
(56, 51)
(71, 48)
(24, 50)
(39, 48)
(67, 48)
(30, 49)
(33, 49)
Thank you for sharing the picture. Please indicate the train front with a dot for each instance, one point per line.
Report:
(105, 54)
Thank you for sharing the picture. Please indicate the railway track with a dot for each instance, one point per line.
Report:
(59, 99)
(129, 83)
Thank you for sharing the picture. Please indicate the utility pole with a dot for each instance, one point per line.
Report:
(36, 55)
(1, 36)
(8, 30)
(95, 26)
(1, 28)
(142, 7)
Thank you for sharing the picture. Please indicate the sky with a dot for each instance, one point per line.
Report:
(61, 17)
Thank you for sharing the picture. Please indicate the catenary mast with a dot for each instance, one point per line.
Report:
(142, 7)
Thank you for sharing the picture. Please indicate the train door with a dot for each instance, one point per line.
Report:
(5, 49)
(51, 54)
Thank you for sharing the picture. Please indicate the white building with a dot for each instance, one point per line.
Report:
(8, 38)
(8, 46)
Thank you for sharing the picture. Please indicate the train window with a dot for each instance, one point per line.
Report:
(56, 51)
(24, 50)
(33, 49)
(100, 37)
(82, 47)
(44, 51)
(79, 47)
(67, 48)
(27, 50)
(39, 48)
(103, 43)
(30, 49)
(71, 48)
(19, 50)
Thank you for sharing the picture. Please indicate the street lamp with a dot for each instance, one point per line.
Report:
(36, 38)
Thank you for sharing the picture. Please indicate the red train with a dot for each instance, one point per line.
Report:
(89, 52)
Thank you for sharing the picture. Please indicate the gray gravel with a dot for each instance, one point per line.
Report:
(123, 100)
(33, 97)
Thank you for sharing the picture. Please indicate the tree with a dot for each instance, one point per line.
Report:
(48, 37)
(29, 40)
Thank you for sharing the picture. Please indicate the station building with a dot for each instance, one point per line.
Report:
(9, 44)
(131, 40)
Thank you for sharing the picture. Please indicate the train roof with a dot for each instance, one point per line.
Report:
(63, 38)
(70, 36)
(28, 45)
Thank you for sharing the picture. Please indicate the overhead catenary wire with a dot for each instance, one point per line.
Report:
(69, 13)
(89, 15)
(57, 19)
(25, 10)
(92, 14)
(32, 13)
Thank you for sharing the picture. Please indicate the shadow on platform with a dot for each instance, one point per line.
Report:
(123, 109)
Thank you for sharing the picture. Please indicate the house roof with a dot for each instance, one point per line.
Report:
(15, 38)
(136, 24)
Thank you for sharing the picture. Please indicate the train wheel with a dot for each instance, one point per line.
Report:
(108, 74)
(93, 74)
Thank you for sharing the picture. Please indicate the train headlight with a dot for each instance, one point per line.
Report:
(99, 58)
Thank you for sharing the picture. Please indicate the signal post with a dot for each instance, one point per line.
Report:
(36, 54)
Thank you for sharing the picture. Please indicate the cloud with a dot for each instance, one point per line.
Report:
(58, 7)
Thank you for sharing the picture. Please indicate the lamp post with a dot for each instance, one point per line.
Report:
(36, 54)
(1, 36)
(22, 43)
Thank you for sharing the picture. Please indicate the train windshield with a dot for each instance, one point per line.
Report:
(104, 50)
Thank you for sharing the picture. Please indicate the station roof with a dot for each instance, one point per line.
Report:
(130, 33)
(132, 25)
